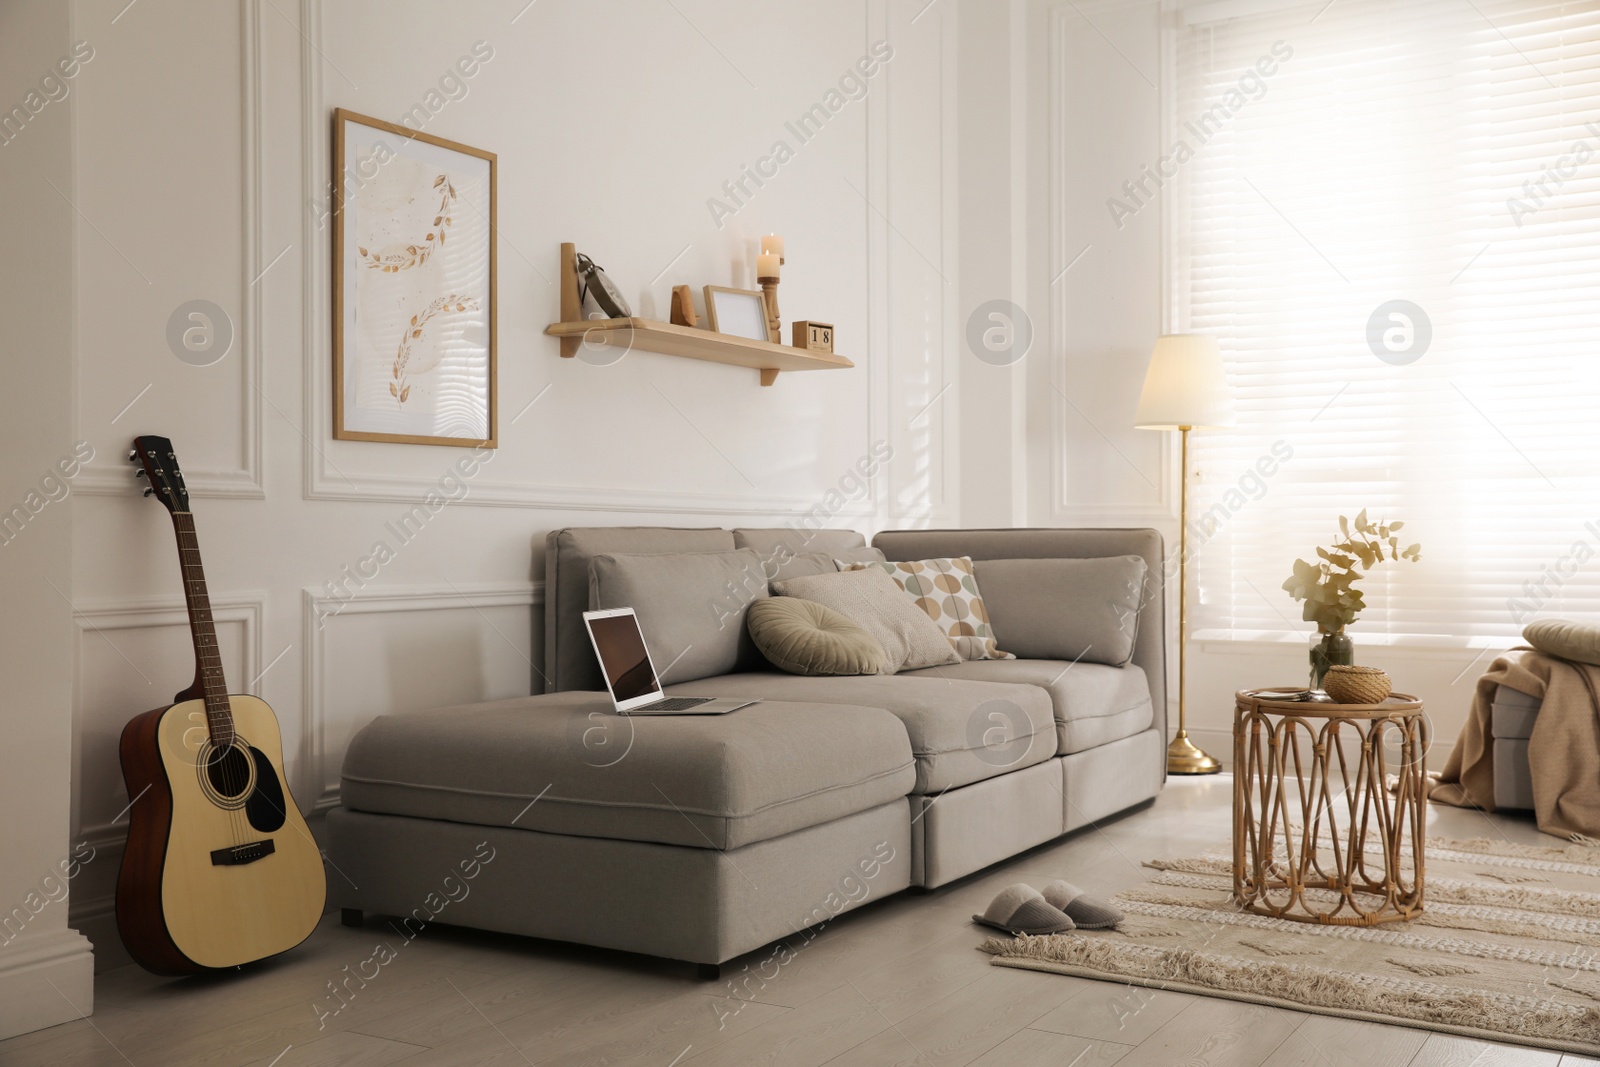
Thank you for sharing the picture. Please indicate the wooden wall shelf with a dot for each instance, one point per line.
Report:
(669, 339)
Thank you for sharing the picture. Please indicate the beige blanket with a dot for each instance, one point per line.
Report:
(1564, 751)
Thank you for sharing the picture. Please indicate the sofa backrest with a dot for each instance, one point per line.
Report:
(1149, 650)
(568, 655)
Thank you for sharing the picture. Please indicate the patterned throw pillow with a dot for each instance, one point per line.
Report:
(947, 590)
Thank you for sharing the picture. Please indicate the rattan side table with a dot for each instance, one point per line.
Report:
(1316, 839)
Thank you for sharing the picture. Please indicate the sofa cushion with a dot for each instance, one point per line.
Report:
(961, 731)
(691, 607)
(871, 599)
(569, 661)
(808, 563)
(804, 637)
(1069, 609)
(1093, 704)
(947, 590)
(565, 763)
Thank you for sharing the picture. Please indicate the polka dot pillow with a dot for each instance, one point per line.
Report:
(947, 589)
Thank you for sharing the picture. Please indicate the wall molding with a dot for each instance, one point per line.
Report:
(246, 481)
(323, 481)
(138, 613)
(1163, 510)
(315, 617)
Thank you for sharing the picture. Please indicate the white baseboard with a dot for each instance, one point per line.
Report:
(46, 978)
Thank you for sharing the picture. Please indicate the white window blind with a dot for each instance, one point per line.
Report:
(1441, 152)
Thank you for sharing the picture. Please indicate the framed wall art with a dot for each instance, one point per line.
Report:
(413, 286)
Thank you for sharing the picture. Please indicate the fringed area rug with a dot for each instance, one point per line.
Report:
(1507, 947)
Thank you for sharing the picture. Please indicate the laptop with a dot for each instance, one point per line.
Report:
(631, 677)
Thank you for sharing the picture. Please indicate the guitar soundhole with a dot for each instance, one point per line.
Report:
(227, 775)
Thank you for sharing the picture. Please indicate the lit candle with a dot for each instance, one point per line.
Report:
(767, 265)
(772, 243)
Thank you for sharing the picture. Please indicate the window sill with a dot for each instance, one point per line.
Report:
(1420, 646)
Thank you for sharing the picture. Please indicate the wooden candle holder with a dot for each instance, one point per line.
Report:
(769, 294)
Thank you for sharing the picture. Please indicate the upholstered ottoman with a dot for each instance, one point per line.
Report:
(690, 837)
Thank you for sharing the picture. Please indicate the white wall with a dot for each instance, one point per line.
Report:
(45, 968)
(202, 145)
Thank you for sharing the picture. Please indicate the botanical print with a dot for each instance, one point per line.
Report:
(399, 387)
(416, 236)
(395, 258)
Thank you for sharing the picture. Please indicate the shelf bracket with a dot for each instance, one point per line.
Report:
(769, 375)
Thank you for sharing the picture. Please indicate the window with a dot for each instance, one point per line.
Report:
(1389, 216)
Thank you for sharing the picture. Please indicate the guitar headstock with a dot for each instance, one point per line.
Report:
(160, 466)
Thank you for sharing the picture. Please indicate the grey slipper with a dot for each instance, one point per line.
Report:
(1020, 909)
(1086, 912)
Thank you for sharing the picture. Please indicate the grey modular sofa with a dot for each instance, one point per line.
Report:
(701, 839)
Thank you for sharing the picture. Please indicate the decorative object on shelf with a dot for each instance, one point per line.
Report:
(1185, 389)
(681, 339)
(767, 264)
(592, 282)
(1332, 599)
(740, 312)
(1305, 819)
(683, 306)
(1350, 684)
(815, 336)
(414, 340)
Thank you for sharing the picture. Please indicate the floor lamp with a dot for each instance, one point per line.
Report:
(1185, 389)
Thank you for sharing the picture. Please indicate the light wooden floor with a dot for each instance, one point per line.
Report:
(898, 982)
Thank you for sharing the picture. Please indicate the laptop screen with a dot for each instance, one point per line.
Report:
(622, 656)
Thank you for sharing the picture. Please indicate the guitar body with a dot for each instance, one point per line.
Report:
(220, 868)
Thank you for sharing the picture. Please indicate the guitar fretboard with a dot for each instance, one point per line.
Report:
(208, 660)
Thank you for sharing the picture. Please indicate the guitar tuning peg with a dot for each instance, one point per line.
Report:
(133, 455)
(148, 490)
(139, 473)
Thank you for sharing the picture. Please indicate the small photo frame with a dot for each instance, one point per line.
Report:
(739, 312)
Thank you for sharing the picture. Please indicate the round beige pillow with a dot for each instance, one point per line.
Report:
(804, 637)
(1564, 639)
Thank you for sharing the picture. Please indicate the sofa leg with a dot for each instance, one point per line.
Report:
(350, 916)
(708, 972)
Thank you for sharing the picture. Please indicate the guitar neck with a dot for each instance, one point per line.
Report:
(208, 661)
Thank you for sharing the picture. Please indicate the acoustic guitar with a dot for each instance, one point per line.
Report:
(220, 869)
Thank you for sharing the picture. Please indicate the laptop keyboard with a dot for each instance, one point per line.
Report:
(675, 704)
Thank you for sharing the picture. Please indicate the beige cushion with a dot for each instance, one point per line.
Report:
(947, 590)
(1066, 609)
(1564, 639)
(804, 637)
(872, 600)
(691, 607)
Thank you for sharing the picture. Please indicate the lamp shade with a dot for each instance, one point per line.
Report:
(1185, 386)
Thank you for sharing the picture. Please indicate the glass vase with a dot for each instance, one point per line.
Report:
(1334, 648)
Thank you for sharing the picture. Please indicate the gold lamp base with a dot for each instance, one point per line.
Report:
(1184, 758)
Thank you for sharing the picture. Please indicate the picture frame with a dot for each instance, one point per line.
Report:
(415, 344)
(738, 312)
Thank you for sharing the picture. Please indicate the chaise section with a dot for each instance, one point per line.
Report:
(961, 731)
(1094, 704)
(566, 764)
(703, 905)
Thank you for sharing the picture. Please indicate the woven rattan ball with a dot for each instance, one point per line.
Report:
(1356, 685)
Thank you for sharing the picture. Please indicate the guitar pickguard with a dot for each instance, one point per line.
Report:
(265, 808)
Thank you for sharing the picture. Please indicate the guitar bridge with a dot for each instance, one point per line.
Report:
(239, 855)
